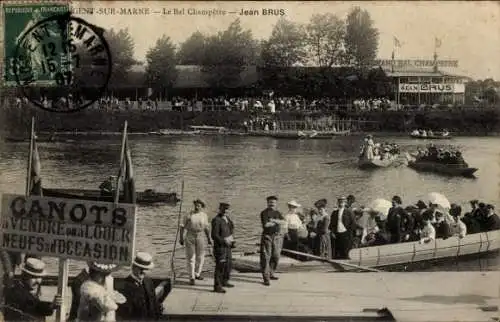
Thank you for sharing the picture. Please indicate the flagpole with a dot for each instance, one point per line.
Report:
(122, 154)
(30, 157)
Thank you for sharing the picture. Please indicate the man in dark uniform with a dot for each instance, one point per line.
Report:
(398, 222)
(492, 221)
(107, 187)
(75, 286)
(144, 302)
(222, 236)
(342, 227)
(271, 241)
(22, 297)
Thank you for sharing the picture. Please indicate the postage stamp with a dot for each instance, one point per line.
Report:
(267, 160)
(59, 62)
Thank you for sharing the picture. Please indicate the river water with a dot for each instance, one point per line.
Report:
(243, 171)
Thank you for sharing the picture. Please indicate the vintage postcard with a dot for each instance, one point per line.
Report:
(251, 161)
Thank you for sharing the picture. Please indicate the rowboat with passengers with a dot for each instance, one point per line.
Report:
(408, 253)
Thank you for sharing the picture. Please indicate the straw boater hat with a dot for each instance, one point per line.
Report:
(34, 267)
(294, 204)
(144, 260)
(102, 268)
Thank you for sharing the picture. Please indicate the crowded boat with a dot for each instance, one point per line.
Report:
(319, 232)
(447, 156)
(423, 134)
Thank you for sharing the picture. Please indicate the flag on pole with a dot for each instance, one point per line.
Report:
(437, 42)
(128, 181)
(126, 176)
(397, 43)
(35, 185)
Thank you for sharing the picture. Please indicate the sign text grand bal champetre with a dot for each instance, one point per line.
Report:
(69, 228)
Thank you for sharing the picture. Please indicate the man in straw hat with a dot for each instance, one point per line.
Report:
(342, 227)
(22, 297)
(97, 301)
(144, 302)
(195, 224)
(222, 234)
(271, 241)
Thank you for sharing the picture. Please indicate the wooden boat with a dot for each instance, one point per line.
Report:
(455, 170)
(437, 136)
(452, 248)
(207, 129)
(308, 134)
(43, 139)
(376, 163)
(147, 197)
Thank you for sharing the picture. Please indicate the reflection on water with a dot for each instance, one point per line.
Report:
(243, 171)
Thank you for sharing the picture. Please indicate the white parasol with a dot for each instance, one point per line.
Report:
(439, 199)
(381, 206)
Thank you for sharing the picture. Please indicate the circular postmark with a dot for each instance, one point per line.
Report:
(62, 63)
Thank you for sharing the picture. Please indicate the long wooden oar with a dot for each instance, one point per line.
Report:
(331, 261)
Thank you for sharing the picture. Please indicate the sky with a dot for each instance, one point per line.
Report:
(469, 31)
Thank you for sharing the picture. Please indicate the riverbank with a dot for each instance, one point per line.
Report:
(15, 121)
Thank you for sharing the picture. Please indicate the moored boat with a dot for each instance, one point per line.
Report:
(308, 134)
(147, 197)
(452, 248)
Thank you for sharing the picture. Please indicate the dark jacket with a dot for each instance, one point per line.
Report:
(347, 219)
(21, 305)
(443, 230)
(75, 285)
(492, 223)
(220, 230)
(265, 216)
(142, 303)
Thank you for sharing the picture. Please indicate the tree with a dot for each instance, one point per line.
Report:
(192, 50)
(226, 55)
(286, 46)
(361, 39)
(325, 36)
(121, 46)
(161, 61)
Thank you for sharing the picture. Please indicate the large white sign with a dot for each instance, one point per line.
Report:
(431, 88)
(69, 228)
(408, 63)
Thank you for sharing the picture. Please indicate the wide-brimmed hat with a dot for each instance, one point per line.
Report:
(293, 203)
(102, 268)
(34, 267)
(199, 202)
(143, 260)
(342, 198)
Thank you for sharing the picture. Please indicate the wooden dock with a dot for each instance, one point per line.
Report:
(426, 296)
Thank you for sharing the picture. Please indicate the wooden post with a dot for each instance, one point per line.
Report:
(122, 159)
(62, 288)
(30, 157)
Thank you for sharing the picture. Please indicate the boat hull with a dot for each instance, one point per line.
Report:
(388, 255)
(433, 137)
(449, 170)
(143, 197)
(376, 163)
(303, 135)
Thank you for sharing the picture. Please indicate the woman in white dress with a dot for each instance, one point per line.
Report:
(294, 223)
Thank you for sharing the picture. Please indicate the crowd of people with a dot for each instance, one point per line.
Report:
(448, 156)
(429, 133)
(318, 232)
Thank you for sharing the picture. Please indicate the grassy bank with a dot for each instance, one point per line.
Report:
(15, 121)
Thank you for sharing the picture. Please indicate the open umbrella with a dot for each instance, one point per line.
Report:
(381, 206)
(439, 199)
